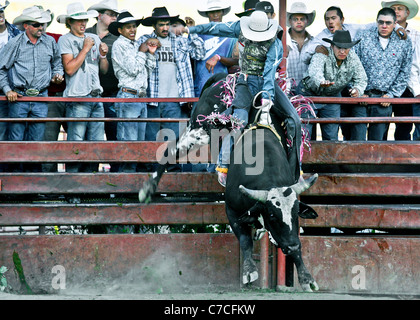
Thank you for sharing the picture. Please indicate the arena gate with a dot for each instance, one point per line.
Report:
(368, 193)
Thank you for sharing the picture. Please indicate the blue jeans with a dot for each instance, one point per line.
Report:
(378, 131)
(130, 131)
(329, 131)
(229, 140)
(357, 131)
(35, 131)
(168, 110)
(4, 113)
(77, 131)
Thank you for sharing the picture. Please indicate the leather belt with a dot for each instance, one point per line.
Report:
(31, 92)
(135, 92)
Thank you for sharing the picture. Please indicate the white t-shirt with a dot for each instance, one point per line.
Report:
(86, 78)
(168, 86)
(4, 36)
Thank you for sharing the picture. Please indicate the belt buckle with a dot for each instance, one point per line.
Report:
(32, 92)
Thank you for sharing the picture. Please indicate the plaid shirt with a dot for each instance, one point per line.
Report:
(296, 66)
(185, 49)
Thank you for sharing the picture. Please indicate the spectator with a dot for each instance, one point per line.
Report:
(172, 77)
(219, 50)
(30, 62)
(298, 41)
(387, 61)
(108, 12)
(7, 32)
(405, 10)
(84, 56)
(249, 8)
(329, 76)
(132, 64)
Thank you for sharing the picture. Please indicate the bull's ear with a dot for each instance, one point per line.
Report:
(304, 185)
(307, 212)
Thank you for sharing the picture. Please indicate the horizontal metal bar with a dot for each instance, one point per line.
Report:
(110, 100)
(327, 100)
(352, 120)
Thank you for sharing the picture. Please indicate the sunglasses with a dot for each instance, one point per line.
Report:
(36, 24)
(388, 23)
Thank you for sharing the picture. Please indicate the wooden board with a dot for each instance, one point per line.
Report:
(149, 263)
(377, 264)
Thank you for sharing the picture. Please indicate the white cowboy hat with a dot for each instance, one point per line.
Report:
(111, 5)
(213, 5)
(34, 14)
(257, 27)
(77, 11)
(2, 7)
(300, 8)
(410, 4)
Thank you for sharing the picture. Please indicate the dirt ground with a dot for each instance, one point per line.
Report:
(244, 295)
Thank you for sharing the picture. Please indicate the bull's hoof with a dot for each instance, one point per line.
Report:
(310, 287)
(249, 277)
(146, 192)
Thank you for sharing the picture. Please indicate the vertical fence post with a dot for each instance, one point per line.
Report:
(264, 258)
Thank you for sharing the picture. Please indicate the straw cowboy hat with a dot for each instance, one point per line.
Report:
(213, 5)
(123, 18)
(33, 14)
(77, 11)
(160, 13)
(111, 5)
(257, 27)
(342, 39)
(300, 8)
(2, 7)
(249, 7)
(410, 4)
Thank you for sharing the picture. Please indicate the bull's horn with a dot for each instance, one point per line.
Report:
(304, 185)
(259, 195)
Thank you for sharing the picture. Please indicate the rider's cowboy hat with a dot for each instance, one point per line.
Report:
(342, 39)
(160, 13)
(249, 7)
(258, 27)
(33, 14)
(410, 4)
(123, 18)
(300, 8)
(110, 5)
(2, 7)
(213, 5)
(77, 11)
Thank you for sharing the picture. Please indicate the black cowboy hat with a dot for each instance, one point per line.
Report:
(249, 7)
(160, 13)
(123, 18)
(342, 39)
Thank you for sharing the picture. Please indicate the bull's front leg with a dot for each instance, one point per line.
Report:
(190, 138)
(306, 280)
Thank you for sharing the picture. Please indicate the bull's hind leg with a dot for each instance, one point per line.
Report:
(190, 138)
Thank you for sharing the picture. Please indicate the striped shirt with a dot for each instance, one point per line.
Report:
(27, 65)
(296, 67)
(185, 49)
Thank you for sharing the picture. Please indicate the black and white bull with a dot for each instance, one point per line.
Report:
(268, 201)
(271, 196)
